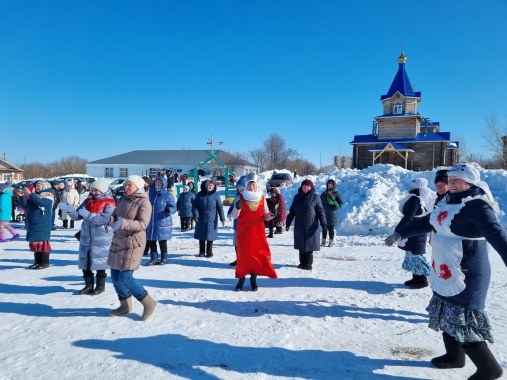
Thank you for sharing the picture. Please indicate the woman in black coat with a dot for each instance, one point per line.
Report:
(331, 201)
(307, 209)
(464, 222)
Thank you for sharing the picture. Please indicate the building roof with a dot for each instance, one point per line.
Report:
(419, 138)
(401, 84)
(6, 165)
(391, 146)
(162, 158)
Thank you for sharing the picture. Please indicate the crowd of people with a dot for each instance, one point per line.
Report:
(459, 220)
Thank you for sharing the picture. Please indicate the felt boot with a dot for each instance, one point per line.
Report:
(253, 282)
(153, 260)
(88, 289)
(454, 356)
(209, 249)
(125, 307)
(411, 281)
(3, 238)
(36, 256)
(100, 286)
(71, 224)
(270, 235)
(65, 224)
(487, 366)
(279, 230)
(302, 260)
(309, 261)
(239, 285)
(202, 248)
(44, 260)
(149, 305)
(420, 282)
(163, 259)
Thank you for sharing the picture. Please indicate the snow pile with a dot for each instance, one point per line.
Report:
(372, 195)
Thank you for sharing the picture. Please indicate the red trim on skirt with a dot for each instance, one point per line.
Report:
(40, 246)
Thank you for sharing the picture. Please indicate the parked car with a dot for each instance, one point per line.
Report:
(84, 181)
(24, 183)
(119, 192)
(279, 180)
(219, 180)
(116, 183)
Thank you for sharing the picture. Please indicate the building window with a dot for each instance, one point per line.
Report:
(124, 172)
(397, 108)
(109, 172)
(155, 171)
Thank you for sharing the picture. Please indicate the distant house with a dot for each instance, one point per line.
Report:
(9, 171)
(145, 162)
(401, 136)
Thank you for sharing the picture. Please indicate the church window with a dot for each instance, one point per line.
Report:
(397, 108)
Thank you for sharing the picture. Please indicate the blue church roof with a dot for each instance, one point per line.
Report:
(401, 84)
(419, 138)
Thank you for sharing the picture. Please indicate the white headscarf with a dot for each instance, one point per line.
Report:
(252, 195)
(426, 195)
(466, 172)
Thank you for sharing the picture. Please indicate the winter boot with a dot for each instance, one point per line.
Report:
(65, 224)
(153, 260)
(202, 248)
(149, 305)
(309, 261)
(88, 289)
(15, 235)
(239, 285)
(3, 238)
(44, 260)
(101, 283)
(77, 235)
(125, 307)
(209, 249)
(163, 259)
(71, 224)
(302, 260)
(279, 230)
(454, 354)
(487, 366)
(323, 243)
(36, 256)
(411, 281)
(420, 282)
(253, 282)
(233, 264)
(331, 243)
(270, 235)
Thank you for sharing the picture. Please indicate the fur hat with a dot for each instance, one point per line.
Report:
(442, 176)
(101, 185)
(307, 182)
(136, 180)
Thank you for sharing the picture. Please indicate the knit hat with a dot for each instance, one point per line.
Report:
(466, 172)
(186, 188)
(419, 183)
(101, 185)
(55, 183)
(136, 180)
(307, 182)
(442, 176)
(41, 181)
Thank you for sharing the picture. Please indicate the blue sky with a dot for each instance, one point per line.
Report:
(96, 79)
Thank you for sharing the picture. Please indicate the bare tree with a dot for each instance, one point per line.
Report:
(463, 150)
(274, 154)
(303, 167)
(67, 165)
(260, 158)
(342, 160)
(495, 137)
(233, 159)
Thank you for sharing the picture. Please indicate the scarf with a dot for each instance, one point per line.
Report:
(330, 200)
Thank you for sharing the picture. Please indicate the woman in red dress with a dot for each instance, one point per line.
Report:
(254, 255)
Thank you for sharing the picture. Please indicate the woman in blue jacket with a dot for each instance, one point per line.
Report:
(39, 221)
(161, 221)
(207, 205)
(464, 222)
(184, 208)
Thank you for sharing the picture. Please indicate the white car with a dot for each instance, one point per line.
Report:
(116, 183)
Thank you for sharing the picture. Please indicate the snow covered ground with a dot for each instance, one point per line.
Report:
(349, 318)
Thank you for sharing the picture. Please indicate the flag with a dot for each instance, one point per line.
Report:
(208, 142)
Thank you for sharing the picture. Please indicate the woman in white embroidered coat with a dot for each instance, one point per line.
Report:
(465, 222)
(69, 196)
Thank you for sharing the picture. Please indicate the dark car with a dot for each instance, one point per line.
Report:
(219, 180)
(119, 192)
(24, 184)
(279, 180)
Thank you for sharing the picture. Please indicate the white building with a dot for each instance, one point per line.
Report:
(145, 162)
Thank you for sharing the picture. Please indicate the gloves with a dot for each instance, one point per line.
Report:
(273, 212)
(238, 204)
(393, 239)
(84, 213)
(287, 228)
(223, 222)
(65, 207)
(117, 224)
